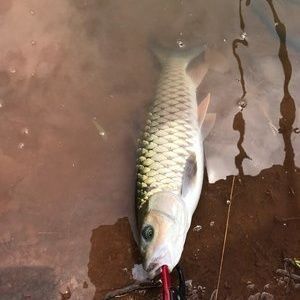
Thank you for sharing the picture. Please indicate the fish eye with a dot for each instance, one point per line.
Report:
(148, 233)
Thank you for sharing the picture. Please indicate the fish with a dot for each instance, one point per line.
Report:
(170, 159)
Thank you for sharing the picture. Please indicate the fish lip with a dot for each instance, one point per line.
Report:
(154, 266)
(154, 270)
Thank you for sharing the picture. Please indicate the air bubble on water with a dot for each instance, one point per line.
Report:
(197, 228)
(276, 24)
(180, 33)
(25, 130)
(33, 42)
(212, 223)
(243, 35)
(32, 12)
(21, 145)
(228, 202)
(224, 40)
(1, 103)
(180, 44)
(12, 70)
(242, 103)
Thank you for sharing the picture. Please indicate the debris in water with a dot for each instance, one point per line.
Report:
(66, 294)
(180, 44)
(242, 103)
(12, 70)
(289, 278)
(32, 12)
(33, 43)
(25, 130)
(263, 295)
(250, 286)
(243, 35)
(267, 286)
(100, 129)
(1, 103)
(21, 145)
(228, 201)
(138, 273)
(85, 285)
(197, 228)
(212, 223)
(137, 286)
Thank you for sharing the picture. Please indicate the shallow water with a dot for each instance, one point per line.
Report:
(76, 79)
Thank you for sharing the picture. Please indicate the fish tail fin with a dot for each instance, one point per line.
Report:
(184, 56)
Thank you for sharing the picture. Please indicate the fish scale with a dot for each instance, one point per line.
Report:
(168, 138)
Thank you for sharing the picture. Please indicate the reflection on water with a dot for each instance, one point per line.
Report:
(76, 78)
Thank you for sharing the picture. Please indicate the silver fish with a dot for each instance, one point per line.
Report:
(170, 161)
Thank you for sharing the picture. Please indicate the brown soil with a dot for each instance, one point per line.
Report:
(257, 240)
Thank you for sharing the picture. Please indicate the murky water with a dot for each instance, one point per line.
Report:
(76, 79)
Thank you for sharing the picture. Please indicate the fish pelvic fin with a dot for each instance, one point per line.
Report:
(206, 121)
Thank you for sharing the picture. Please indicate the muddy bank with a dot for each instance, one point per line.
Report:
(259, 238)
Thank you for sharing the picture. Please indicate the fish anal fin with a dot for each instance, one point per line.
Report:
(208, 124)
(197, 72)
(202, 109)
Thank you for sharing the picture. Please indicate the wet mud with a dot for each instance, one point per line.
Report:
(263, 230)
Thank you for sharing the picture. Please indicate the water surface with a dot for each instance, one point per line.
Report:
(66, 66)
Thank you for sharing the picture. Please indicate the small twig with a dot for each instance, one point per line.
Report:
(225, 239)
(284, 220)
(131, 288)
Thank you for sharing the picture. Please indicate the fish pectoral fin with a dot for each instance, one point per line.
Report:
(189, 174)
(208, 124)
(202, 109)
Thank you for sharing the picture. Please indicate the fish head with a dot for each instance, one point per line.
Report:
(162, 233)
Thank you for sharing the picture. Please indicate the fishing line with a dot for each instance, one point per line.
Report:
(225, 238)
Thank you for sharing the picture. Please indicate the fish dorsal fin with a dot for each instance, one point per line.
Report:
(189, 174)
(202, 109)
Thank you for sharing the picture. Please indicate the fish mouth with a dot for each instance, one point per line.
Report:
(153, 269)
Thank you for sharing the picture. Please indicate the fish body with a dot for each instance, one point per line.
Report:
(169, 164)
